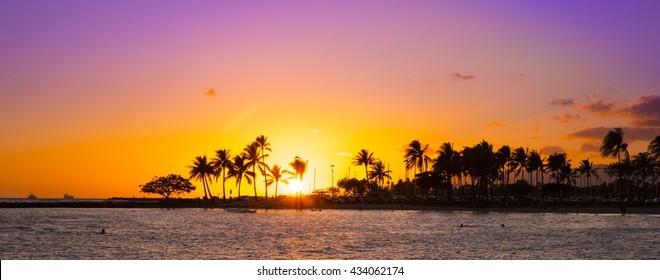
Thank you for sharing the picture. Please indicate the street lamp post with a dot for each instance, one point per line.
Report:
(332, 179)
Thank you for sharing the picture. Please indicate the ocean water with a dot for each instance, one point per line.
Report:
(131, 234)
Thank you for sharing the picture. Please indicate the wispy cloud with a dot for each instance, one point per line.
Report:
(548, 150)
(567, 118)
(429, 82)
(495, 124)
(589, 147)
(644, 111)
(536, 128)
(600, 108)
(563, 102)
(461, 77)
(210, 92)
(629, 133)
(344, 154)
(514, 75)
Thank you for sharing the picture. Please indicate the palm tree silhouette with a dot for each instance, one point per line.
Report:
(239, 171)
(277, 174)
(534, 163)
(262, 142)
(366, 158)
(221, 162)
(448, 165)
(202, 170)
(613, 145)
(299, 167)
(416, 158)
(379, 173)
(555, 163)
(519, 156)
(654, 148)
(253, 159)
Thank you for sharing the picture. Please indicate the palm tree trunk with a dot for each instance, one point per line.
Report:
(276, 183)
(224, 194)
(254, 171)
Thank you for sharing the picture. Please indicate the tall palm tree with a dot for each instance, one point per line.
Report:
(277, 174)
(534, 163)
(416, 157)
(448, 165)
(299, 167)
(253, 159)
(262, 142)
(202, 170)
(503, 157)
(379, 173)
(654, 151)
(519, 156)
(587, 169)
(555, 163)
(239, 171)
(613, 145)
(221, 162)
(366, 158)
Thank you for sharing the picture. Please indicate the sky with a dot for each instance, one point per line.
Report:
(98, 97)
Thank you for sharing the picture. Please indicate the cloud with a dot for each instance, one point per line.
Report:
(210, 92)
(590, 147)
(629, 133)
(536, 128)
(344, 154)
(567, 118)
(495, 124)
(600, 108)
(548, 150)
(563, 102)
(429, 82)
(644, 111)
(314, 131)
(460, 77)
(514, 75)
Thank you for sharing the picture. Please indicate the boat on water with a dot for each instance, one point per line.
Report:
(68, 197)
(241, 210)
(32, 196)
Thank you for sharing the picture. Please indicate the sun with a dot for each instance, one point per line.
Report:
(295, 185)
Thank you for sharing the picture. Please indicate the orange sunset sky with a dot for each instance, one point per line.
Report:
(97, 97)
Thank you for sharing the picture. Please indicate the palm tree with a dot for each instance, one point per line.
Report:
(299, 167)
(416, 157)
(557, 162)
(379, 173)
(252, 157)
(448, 165)
(262, 142)
(366, 158)
(221, 162)
(480, 164)
(534, 163)
(277, 174)
(613, 145)
(654, 151)
(202, 170)
(643, 166)
(519, 156)
(587, 169)
(654, 148)
(239, 171)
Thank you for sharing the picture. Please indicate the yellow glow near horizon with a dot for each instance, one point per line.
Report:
(295, 185)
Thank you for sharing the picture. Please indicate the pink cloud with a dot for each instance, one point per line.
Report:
(460, 77)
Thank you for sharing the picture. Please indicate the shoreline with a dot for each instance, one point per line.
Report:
(309, 204)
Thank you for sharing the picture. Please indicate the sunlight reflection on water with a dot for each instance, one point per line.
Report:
(328, 234)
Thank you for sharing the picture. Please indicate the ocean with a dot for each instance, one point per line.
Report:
(195, 233)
